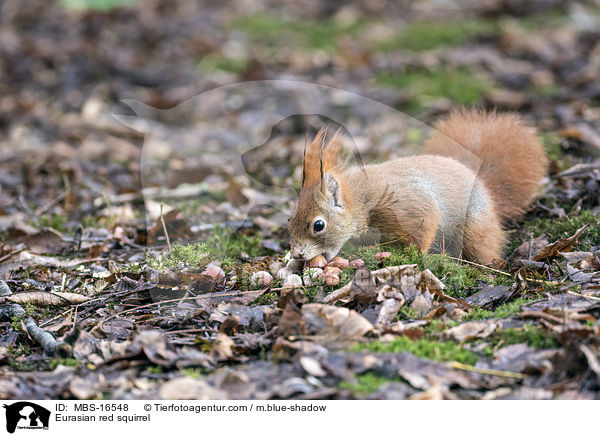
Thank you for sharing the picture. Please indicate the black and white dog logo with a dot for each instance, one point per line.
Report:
(26, 415)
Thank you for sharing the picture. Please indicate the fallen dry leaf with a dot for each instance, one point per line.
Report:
(44, 299)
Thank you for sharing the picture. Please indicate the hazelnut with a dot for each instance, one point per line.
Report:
(357, 263)
(317, 262)
(382, 255)
(215, 272)
(292, 281)
(339, 262)
(261, 279)
(274, 267)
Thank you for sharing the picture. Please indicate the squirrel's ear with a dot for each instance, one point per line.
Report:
(333, 191)
(331, 152)
(312, 169)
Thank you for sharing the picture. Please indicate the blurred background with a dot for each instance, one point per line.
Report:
(66, 65)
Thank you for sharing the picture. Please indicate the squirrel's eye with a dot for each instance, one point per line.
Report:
(319, 226)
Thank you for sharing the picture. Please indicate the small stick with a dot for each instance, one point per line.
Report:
(545, 282)
(45, 208)
(480, 266)
(465, 367)
(164, 226)
(10, 254)
(342, 292)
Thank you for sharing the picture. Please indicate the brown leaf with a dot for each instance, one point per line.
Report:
(234, 194)
(43, 242)
(222, 348)
(471, 329)
(45, 299)
(188, 388)
(563, 244)
(333, 322)
(392, 300)
(177, 227)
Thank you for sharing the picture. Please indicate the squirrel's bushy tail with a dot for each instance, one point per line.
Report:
(504, 152)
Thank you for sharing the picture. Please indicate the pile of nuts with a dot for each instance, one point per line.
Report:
(297, 273)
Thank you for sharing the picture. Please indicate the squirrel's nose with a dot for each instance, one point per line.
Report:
(297, 254)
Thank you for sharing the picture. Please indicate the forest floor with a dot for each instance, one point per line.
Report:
(144, 205)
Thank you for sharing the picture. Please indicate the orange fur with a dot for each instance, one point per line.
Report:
(479, 170)
(503, 151)
(321, 157)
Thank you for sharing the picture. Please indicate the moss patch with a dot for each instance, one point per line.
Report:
(551, 143)
(439, 351)
(275, 31)
(211, 62)
(96, 5)
(530, 334)
(367, 383)
(57, 221)
(505, 310)
(428, 35)
(556, 228)
(191, 255)
(458, 84)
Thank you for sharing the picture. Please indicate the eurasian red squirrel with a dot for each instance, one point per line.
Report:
(478, 170)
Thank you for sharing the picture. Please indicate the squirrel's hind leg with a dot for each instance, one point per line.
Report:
(483, 238)
(425, 233)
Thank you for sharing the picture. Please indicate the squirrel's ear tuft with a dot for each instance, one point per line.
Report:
(331, 152)
(333, 191)
(312, 170)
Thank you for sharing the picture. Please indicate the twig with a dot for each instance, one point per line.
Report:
(45, 208)
(342, 292)
(11, 254)
(465, 367)
(545, 282)
(164, 226)
(480, 266)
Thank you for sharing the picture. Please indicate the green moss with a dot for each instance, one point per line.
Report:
(460, 85)
(90, 221)
(550, 90)
(550, 19)
(440, 351)
(505, 310)
(428, 35)
(405, 313)
(57, 221)
(223, 245)
(192, 255)
(275, 31)
(551, 143)
(194, 372)
(210, 63)
(226, 243)
(96, 5)
(530, 334)
(556, 228)
(53, 363)
(367, 383)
